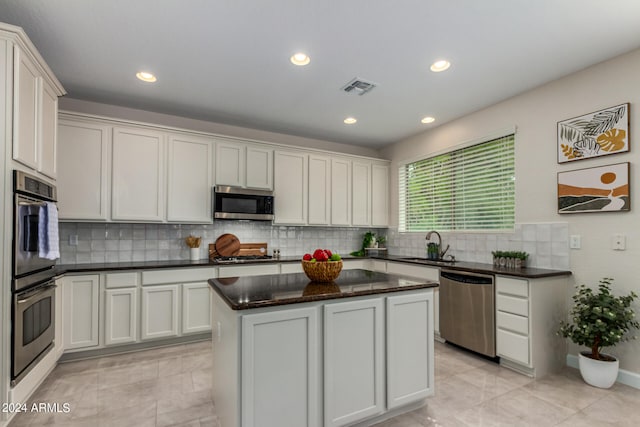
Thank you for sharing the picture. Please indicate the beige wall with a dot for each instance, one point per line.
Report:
(80, 106)
(535, 115)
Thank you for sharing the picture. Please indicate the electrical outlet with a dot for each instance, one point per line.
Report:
(73, 240)
(575, 241)
(619, 242)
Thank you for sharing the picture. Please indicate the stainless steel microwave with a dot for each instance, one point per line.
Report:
(242, 203)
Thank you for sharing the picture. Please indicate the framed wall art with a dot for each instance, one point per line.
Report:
(595, 134)
(598, 189)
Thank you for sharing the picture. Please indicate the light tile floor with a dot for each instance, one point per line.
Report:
(171, 387)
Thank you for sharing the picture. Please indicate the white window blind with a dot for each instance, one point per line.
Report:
(472, 188)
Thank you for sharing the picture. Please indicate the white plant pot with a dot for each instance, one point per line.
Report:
(598, 373)
(194, 254)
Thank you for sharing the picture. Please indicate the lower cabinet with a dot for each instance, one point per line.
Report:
(121, 316)
(196, 308)
(81, 297)
(159, 312)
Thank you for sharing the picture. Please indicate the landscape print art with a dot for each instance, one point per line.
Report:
(595, 134)
(599, 189)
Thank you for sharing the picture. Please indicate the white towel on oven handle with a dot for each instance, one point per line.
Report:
(48, 235)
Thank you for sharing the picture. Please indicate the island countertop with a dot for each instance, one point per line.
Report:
(242, 293)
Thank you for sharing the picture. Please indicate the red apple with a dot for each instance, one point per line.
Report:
(307, 257)
(328, 252)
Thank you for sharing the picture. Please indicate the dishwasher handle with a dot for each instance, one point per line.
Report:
(467, 278)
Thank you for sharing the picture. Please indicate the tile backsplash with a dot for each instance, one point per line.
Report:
(98, 243)
(546, 243)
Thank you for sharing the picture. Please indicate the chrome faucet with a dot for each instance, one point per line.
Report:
(440, 254)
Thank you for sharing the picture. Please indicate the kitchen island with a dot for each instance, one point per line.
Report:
(290, 352)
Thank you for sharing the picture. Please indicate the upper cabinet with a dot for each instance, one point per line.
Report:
(32, 97)
(244, 165)
(361, 193)
(340, 191)
(291, 187)
(379, 195)
(319, 190)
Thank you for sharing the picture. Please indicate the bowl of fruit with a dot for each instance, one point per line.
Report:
(322, 265)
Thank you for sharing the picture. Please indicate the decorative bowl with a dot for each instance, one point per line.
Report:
(322, 271)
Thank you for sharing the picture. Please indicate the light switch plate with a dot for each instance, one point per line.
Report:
(575, 242)
(619, 242)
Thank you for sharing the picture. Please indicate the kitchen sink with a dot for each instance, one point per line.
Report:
(430, 261)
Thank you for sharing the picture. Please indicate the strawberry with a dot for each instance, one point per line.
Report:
(318, 253)
(328, 252)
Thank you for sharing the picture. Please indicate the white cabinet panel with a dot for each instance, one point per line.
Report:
(426, 273)
(230, 164)
(319, 190)
(138, 175)
(512, 346)
(361, 193)
(180, 275)
(48, 131)
(248, 270)
(280, 347)
(159, 311)
(244, 165)
(196, 308)
(353, 361)
(512, 322)
(83, 170)
(379, 195)
(26, 82)
(81, 301)
(129, 279)
(259, 168)
(121, 316)
(292, 267)
(290, 187)
(190, 179)
(517, 287)
(340, 191)
(409, 376)
(513, 305)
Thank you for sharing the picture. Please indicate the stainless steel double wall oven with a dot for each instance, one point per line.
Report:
(33, 281)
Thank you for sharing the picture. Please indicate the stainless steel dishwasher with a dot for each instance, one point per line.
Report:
(467, 311)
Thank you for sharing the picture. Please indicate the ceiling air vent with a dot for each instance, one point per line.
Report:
(358, 86)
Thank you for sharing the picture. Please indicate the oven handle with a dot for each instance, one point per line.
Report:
(36, 292)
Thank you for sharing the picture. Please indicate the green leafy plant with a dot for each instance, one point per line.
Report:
(600, 319)
(369, 238)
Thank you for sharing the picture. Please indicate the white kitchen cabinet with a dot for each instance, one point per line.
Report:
(84, 158)
(248, 270)
(196, 308)
(160, 311)
(354, 368)
(121, 316)
(26, 88)
(280, 347)
(527, 313)
(190, 179)
(138, 175)
(319, 190)
(81, 295)
(340, 191)
(409, 378)
(361, 193)
(244, 165)
(379, 195)
(291, 187)
(48, 126)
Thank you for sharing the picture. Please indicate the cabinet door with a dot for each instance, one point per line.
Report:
(280, 347)
(353, 361)
(410, 377)
(340, 192)
(159, 311)
(319, 190)
(138, 175)
(259, 168)
(190, 179)
(81, 300)
(121, 316)
(290, 187)
(379, 195)
(196, 308)
(361, 193)
(230, 164)
(83, 164)
(26, 83)
(48, 131)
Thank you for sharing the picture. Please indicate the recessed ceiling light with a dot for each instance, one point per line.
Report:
(441, 65)
(350, 120)
(428, 120)
(146, 76)
(300, 59)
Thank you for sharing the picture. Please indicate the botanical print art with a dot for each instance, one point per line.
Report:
(595, 134)
(600, 189)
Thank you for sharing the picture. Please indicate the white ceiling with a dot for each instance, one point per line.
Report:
(227, 61)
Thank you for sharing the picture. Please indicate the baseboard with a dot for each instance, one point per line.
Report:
(632, 379)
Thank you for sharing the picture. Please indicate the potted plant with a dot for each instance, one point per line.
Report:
(381, 241)
(599, 319)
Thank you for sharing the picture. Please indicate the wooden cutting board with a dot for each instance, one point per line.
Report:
(227, 245)
(246, 249)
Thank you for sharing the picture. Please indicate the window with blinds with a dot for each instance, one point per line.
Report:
(472, 188)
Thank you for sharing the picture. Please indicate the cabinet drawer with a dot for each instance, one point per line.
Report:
(512, 346)
(377, 265)
(182, 275)
(293, 267)
(248, 270)
(512, 322)
(428, 273)
(122, 280)
(512, 305)
(507, 285)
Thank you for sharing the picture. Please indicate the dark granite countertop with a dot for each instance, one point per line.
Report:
(242, 293)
